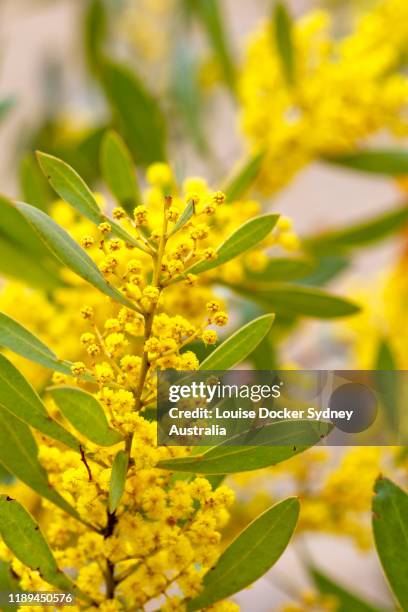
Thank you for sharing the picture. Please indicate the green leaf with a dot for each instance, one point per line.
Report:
(137, 113)
(68, 252)
(118, 479)
(230, 458)
(18, 455)
(73, 189)
(95, 32)
(33, 186)
(19, 340)
(86, 414)
(245, 237)
(15, 263)
(327, 268)
(23, 252)
(238, 346)
(119, 172)
(298, 300)
(387, 383)
(208, 12)
(187, 95)
(393, 162)
(245, 178)
(19, 398)
(390, 526)
(283, 269)
(358, 235)
(282, 30)
(8, 584)
(23, 537)
(256, 549)
(345, 600)
(184, 218)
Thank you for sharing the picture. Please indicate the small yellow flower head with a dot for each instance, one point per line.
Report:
(134, 266)
(104, 373)
(159, 174)
(87, 242)
(130, 363)
(209, 336)
(151, 293)
(126, 316)
(219, 197)
(118, 213)
(115, 342)
(113, 325)
(209, 209)
(108, 265)
(193, 197)
(289, 241)
(87, 339)
(284, 224)
(213, 306)
(175, 266)
(221, 318)
(93, 350)
(87, 312)
(210, 254)
(191, 280)
(114, 245)
(152, 345)
(78, 368)
(172, 214)
(140, 214)
(199, 232)
(105, 227)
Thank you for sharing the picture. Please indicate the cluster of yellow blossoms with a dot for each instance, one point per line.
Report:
(166, 531)
(343, 90)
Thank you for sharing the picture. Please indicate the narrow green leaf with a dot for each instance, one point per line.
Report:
(238, 346)
(137, 113)
(18, 397)
(393, 162)
(184, 218)
(256, 549)
(72, 188)
(387, 383)
(118, 479)
(245, 178)
(95, 32)
(327, 268)
(18, 455)
(119, 172)
(359, 235)
(297, 300)
(245, 237)
(283, 269)
(8, 584)
(23, 537)
(345, 599)
(186, 91)
(282, 30)
(390, 526)
(19, 264)
(67, 251)
(19, 340)
(274, 443)
(33, 186)
(86, 414)
(208, 12)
